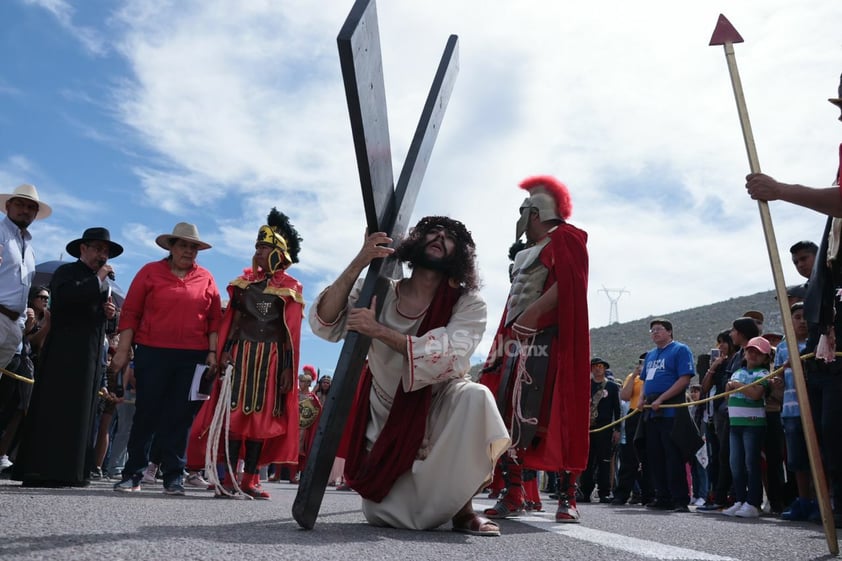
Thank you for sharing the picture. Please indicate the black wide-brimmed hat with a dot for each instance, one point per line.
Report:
(95, 235)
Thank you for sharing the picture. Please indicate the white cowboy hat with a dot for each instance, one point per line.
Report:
(28, 192)
(182, 231)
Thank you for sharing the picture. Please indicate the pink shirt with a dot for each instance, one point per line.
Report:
(172, 313)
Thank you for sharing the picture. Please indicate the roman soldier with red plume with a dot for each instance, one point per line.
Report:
(539, 364)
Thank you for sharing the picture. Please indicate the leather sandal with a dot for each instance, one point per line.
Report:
(503, 509)
(474, 524)
(567, 512)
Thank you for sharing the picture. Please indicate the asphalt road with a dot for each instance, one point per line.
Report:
(97, 523)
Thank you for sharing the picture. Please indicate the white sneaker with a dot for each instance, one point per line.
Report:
(195, 479)
(149, 474)
(5, 462)
(731, 511)
(699, 502)
(748, 511)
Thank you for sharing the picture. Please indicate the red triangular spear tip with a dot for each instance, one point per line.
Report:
(724, 33)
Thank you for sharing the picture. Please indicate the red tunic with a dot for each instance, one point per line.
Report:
(565, 412)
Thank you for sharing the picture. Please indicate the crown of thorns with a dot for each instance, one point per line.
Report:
(454, 227)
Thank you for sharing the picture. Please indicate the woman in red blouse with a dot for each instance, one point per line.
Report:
(171, 315)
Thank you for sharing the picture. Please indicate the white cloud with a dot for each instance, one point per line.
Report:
(90, 39)
(625, 102)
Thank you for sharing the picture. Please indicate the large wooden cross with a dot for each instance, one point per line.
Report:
(387, 209)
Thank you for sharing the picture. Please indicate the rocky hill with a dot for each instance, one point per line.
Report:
(620, 344)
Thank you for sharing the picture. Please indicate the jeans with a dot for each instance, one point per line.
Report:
(599, 461)
(162, 409)
(722, 424)
(745, 464)
(698, 472)
(120, 439)
(633, 470)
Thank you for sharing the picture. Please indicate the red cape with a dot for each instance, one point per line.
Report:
(565, 415)
(283, 448)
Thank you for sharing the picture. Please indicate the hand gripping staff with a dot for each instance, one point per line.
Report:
(724, 34)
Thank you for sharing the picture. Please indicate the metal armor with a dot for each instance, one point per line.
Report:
(262, 317)
(528, 278)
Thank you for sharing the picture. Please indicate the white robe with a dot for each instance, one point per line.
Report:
(465, 433)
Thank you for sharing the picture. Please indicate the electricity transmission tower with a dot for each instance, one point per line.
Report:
(614, 295)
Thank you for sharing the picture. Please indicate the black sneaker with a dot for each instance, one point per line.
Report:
(127, 486)
(681, 508)
(174, 488)
(618, 501)
(661, 505)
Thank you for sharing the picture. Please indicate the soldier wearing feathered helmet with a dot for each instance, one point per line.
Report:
(261, 338)
(278, 234)
(548, 197)
(544, 333)
(547, 205)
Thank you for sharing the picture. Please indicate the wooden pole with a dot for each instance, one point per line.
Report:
(726, 35)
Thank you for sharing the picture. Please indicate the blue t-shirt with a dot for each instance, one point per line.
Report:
(663, 367)
(790, 407)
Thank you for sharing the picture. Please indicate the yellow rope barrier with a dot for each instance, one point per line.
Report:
(771, 374)
(17, 377)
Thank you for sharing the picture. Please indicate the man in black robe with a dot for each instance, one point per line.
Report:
(56, 448)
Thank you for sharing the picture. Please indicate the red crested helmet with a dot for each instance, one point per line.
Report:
(549, 196)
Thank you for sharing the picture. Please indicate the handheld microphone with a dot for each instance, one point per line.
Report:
(110, 273)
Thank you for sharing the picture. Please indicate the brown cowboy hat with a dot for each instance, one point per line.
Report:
(95, 235)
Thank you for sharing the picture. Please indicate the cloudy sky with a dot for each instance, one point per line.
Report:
(137, 114)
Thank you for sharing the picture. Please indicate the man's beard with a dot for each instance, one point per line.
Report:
(420, 258)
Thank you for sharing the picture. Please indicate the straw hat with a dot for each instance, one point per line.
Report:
(182, 231)
(28, 192)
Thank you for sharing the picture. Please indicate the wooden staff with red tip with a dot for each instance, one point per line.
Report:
(724, 34)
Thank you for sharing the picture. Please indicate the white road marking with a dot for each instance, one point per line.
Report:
(636, 546)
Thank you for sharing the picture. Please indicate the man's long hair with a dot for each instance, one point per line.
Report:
(461, 266)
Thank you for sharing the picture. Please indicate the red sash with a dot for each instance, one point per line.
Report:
(373, 473)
